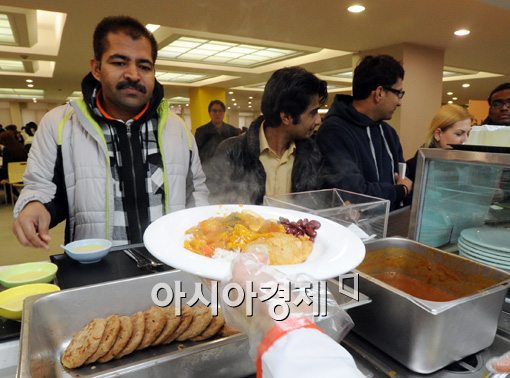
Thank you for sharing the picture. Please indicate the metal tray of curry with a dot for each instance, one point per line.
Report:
(49, 322)
(429, 307)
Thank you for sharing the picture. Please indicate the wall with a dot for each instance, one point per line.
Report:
(20, 113)
(478, 109)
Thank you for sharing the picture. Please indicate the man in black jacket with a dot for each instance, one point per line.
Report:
(276, 155)
(362, 151)
(210, 135)
(499, 106)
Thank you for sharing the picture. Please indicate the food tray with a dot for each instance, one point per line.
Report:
(49, 322)
(426, 335)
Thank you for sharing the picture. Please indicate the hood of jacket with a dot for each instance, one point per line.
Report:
(342, 107)
(89, 85)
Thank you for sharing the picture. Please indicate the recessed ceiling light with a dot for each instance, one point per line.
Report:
(187, 104)
(450, 102)
(235, 104)
(449, 93)
(356, 8)
(230, 92)
(228, 108)
(461, 32)
(250, 97)
(34, 100)
(233, 100)
(30, 85)
(466, 85)
(29, 80)
(249, 106)
(152, 27)
(454, 98)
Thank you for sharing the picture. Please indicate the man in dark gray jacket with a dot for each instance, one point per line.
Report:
(362, 151)
(276, 155)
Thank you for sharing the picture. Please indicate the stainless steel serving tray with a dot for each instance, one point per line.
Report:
(49, 322)
(426, 335)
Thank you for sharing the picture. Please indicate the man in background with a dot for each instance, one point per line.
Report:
(113, 162)
(362, 151)
(210, 135)
(499, 106)
(276, 155)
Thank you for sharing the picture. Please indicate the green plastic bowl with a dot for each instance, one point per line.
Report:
(28, 273)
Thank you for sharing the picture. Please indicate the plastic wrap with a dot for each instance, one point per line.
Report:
(271, 297)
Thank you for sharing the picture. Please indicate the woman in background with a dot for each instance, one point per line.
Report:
(450, 125)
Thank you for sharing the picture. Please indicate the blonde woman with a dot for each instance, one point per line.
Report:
(450, 125)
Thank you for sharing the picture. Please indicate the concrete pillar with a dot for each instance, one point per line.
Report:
(15, 112)
(423, 83)
(199, 99)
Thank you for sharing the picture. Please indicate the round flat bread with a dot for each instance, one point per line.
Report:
(202, 316)
(83, 344)
(138, 321)
(172, 322)
(126, 329)
(111, 331)
(228, 331)
(186, 319)
(155, 320)
(215, 326)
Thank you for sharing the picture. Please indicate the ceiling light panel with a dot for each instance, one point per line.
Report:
(225, 53)
(75, 95)
(11, 65)
(6, 34)
(178, 100)
(343, 74)
(179, 77)
(21, 93)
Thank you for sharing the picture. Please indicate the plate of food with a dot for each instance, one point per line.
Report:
(204, 240)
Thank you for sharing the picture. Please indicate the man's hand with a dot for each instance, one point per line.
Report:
(31, 226)
(404, 181)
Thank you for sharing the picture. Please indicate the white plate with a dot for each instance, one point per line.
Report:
(483, 255)
(488, 251)
(336, 249)
(491, 237)
(481, 261)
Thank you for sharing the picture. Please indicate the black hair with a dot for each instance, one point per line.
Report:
(499, 88)
(375, 71)
(31, 128)
(216, 102)
(128, 25)
(289, 90)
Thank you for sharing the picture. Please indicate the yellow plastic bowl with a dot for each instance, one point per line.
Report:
(11, 300)
(28, 273)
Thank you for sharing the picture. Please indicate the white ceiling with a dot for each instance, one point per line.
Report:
(323, 29)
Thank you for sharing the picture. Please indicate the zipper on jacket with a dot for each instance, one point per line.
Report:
(135, 192)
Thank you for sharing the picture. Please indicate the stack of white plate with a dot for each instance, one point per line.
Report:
(487, 245)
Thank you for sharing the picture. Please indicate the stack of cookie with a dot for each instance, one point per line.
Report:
(102, 340)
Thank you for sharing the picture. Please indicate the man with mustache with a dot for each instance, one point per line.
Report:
(277, 154)
(113, 162)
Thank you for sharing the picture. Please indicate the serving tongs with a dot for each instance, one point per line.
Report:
(142, 261)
